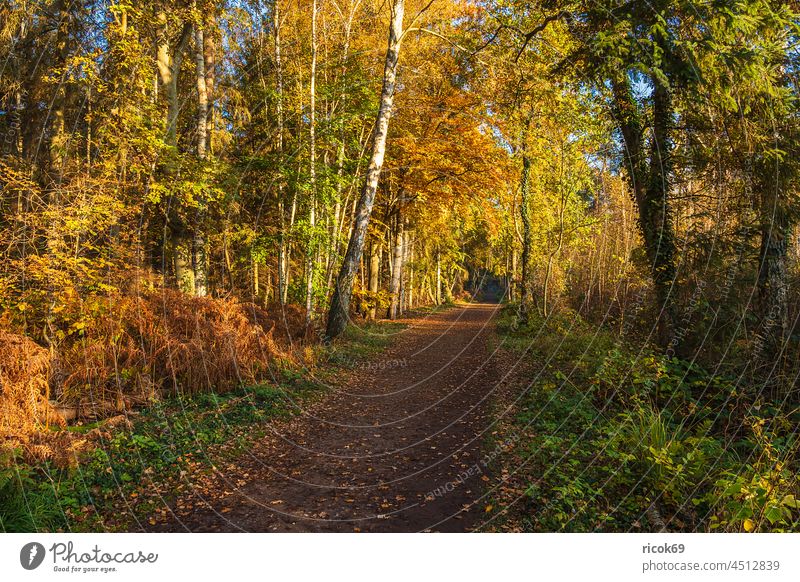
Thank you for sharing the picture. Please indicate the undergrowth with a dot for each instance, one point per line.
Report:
(137, 469)
(613, 437)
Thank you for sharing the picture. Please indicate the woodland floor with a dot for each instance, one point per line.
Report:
(371, 454)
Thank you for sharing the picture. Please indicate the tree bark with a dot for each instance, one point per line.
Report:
(343, 92)
(340, 303)
(374, 276)
(511, 290)
(202, 91)
(773, 287)
(210, 63)
(200, 262)
(182, 258)
(651, 189)
(397, 260)
(658, 211)
(410, 262)
(554, 253)
(525, 283)
(312, 170)
(438, 279)
(283, 249)
(169, 62)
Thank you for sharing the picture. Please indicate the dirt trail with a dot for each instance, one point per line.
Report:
(368, 455)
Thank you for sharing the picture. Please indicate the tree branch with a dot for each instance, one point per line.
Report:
(539, 28)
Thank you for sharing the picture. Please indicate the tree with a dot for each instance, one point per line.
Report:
(338, 313)
(312, 172)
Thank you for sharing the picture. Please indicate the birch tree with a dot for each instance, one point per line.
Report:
(340, 303)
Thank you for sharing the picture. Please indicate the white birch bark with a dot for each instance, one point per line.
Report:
(340, 304)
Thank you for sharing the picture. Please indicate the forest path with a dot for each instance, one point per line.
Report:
(395, 446)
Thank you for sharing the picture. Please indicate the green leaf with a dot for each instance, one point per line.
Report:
(773, 514)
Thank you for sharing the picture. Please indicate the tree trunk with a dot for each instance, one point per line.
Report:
(200, 262)
(397, 261)
(525, 283)
(374, 276)
(210, 61)
(438, 279)
(658, 213)
(256, 282)
(651, 189)
(559, 244)
(312, 170)
(511, 290)
(169, 61)
(343, 92)
(340, 303)
(773, 288)
(283, 251)
(202, 91)
(410, 241)
(182, 259)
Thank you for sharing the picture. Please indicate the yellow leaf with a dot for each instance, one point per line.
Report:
(749, 525)
(488, 508)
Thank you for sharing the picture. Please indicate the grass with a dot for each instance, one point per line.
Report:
(612, 438)
(561, 475)
(133, 471)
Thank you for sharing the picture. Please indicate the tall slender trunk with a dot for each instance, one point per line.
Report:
(256, 282)
(559, 242)
(202, 91)
(182, 258)
(525, 283)
(340, 303)
(651, 189)
(210, 61)
(283, 250)
(658, 211)
(334, 233)
(511, 290)
(343, 92)
(374, 276)
(200, 261)
(312, 169)
(773, 287)
(410, 257)
(169, 60)
(397, 259)
(438, 279)
(288, 264)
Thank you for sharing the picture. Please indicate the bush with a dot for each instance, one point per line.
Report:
(24, 386)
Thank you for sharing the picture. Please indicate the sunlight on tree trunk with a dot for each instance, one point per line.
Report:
(312, 171)
(397, 260)
(525, 284)
(338, 314)
(199, 241)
